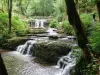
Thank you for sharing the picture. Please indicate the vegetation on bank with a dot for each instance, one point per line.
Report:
(19, 27)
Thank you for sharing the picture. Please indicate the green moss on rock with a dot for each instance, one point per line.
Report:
(13, 43)
(51, 51)
(37, 31)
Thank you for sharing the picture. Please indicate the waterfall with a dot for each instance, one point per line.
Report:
(26, 48)
(66, 63)
(39, 23)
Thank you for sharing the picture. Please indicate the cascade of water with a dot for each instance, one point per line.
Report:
(26, 48)
(52, 31)
(67, 63)
(42, 22)
(39, 23)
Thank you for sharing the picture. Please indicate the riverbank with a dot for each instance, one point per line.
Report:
(4, 51)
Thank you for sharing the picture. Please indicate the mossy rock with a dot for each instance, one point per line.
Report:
(53, 37)
(37, 31)
(13, 43)
(51, 51)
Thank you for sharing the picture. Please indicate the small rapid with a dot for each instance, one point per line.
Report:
(66, 63)
(26, 48)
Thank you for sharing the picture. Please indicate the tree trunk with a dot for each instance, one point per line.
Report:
(77, 5)
(10, 14)
(75, 21)
(3, 70)
(98, 8)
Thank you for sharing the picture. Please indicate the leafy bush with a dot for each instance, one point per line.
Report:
(87, 22)
(95, 39)
(3, 23)
(67, 27)
(18, 26)
(82, 68)
(53, 23)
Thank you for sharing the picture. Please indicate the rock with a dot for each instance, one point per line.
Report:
(37, 31)
(71, 37)
(14, 42)
(51, 51)
(53, 37)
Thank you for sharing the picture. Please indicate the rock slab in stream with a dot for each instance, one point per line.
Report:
(51, 51)
(13, 43)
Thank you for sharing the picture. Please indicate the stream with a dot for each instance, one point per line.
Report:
(21, 62)
(18, 64)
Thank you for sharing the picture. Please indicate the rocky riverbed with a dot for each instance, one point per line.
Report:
(18, 64)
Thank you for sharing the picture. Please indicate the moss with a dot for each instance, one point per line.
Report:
(37, 31)
(13, 43)
(53, 37)
(51, 51)
(13, 65)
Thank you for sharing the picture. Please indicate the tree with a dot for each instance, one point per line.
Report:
(10, 14)
(77, 5)
(3, 70)
(76, 23)
(3, 5)
(98, 7)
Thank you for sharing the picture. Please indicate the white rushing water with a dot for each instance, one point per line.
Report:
(66, 63)
(39, 23)
(52, 31)
(25, 65)
(26, 48)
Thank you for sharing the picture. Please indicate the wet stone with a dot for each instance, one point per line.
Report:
(18, 64)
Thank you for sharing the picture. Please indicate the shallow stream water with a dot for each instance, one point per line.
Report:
(18, 64)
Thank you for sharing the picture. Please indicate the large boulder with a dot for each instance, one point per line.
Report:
(51, 51)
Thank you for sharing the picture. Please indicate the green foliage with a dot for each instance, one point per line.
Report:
(53, 23)
(95, 39)
(3, 23)
(88, 23)
(82, 68)
(19, 26)
(86, 5)
(36, 7)
(67, 27)
(59, 8)
(39, 7)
